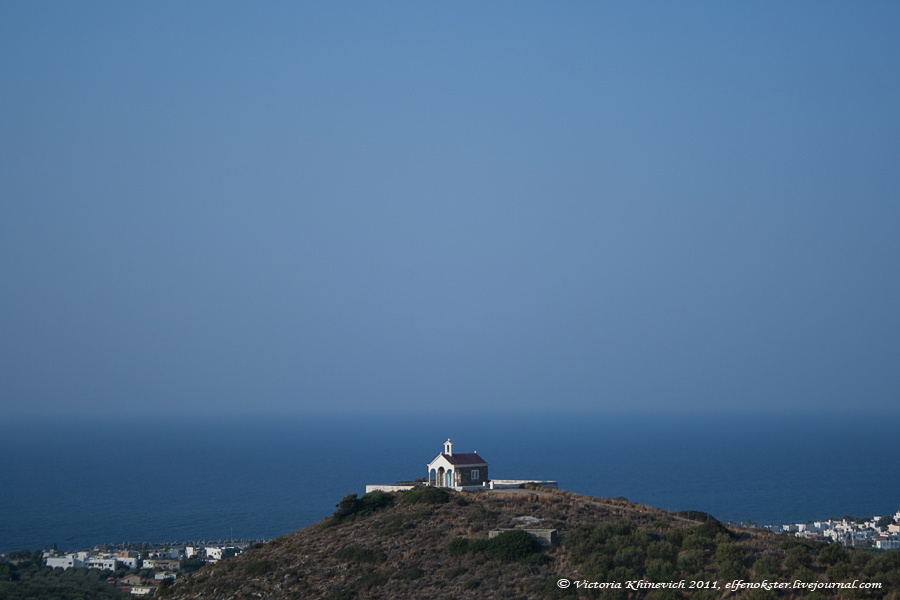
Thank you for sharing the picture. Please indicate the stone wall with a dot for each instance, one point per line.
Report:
(464, 476)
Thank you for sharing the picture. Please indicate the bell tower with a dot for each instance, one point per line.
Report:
(448, 447)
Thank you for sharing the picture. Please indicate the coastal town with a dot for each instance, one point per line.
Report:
(139, 569)
(880, 532)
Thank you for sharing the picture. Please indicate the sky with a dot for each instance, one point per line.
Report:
(402, 207)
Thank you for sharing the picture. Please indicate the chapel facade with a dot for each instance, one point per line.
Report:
(461, 470)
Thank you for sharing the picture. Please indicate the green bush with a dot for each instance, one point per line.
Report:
(691, 561)
(662, 549)
(729, 552)
(630, 556)
(394, 524)
(840, 571)
(508, 546)
(513, 545)
(884, 563)
(426, 495)
(373, 579)
(767, 566)
(832, 554)
(359, 555)
(798, 557)
(711, 529)
(28, 580)
(260, 567)
(351, 506)
(458, 546)
(409, 573)
(482, 514)
(604, 538)
(661, 570)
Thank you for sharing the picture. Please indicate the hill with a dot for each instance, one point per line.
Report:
(430, 543)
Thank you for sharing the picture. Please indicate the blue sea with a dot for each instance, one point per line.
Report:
(81, 482)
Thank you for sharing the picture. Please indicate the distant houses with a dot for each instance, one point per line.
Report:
(864, 533)
(167, 560)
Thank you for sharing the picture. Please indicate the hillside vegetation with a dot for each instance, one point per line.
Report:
(429, 543)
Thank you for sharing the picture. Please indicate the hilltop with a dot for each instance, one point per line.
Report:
(430, 543)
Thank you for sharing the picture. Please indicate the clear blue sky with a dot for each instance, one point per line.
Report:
(487, 207)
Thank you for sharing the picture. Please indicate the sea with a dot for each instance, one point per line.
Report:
(80, 482)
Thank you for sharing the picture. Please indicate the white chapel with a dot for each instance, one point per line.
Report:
(460, 470)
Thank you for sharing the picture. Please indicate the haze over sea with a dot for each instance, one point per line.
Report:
(77, 483)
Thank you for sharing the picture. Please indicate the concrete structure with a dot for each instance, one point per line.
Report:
(164, 575)
(460, 471)
(128, 558)
(69, 561)
(162, 563)
(388, 488)
(105, 562)
(545, 537)
(517, 483)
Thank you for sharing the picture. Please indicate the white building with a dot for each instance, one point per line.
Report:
(104, 562)
(141, 590)
(128, 558)
(462, 470)
(164, 575)
(69, 561)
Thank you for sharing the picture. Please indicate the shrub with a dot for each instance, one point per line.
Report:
(660, 570)
(513, 545)
(691, 561)
(482, 514)
(675, 537)
(732, 569)
(373, 579)
(409, 573)
(508, 546)
(729, 552)
(359, 555)
(840, 571)
(663, 550)
(260, 567)
(695, 515)
(630, 556)
(351, 506)
(426, 495)
(832, 554)
(346, 507)
(393, 524)
(458, 546)
(767, 566)
(798, 557)
(605, 538)
(711, 529)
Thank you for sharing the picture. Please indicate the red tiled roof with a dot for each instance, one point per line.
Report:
(464, 458)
